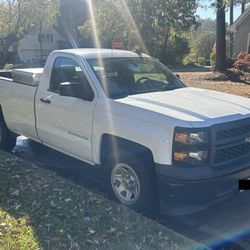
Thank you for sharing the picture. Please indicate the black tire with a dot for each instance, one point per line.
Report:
(148, 196)
(7, 138)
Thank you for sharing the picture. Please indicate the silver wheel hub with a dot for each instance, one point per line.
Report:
(125, 184)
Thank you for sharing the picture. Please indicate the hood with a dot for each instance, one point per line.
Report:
(193, 105)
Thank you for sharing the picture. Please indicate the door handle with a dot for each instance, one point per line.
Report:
(45, 100)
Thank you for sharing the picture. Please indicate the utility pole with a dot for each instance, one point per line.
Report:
(41, 43)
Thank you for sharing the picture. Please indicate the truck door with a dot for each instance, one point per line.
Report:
(65, 122)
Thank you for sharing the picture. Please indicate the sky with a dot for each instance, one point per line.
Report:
(208, 12)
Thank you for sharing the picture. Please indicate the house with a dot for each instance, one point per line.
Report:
(241, 33)
(36, 46)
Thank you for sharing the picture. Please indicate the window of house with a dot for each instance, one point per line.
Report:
(41, 37)
(45, 38)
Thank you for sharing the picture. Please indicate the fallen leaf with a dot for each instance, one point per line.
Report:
(16, 193)
(91, 231)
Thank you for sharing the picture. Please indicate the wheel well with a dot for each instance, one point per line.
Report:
(3, 120)
(1, 115)
(111, 144)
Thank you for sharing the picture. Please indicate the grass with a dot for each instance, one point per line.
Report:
(40, 210)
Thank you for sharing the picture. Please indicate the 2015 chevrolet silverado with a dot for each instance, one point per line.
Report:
(155, 138)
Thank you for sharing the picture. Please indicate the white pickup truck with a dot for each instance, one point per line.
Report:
(154, 138)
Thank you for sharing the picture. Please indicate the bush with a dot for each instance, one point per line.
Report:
(190, 59)
(236, 72)
(8, 66)
(242, 61)
(177, 48)
(202, 60)
(213, 59)
(230, 62)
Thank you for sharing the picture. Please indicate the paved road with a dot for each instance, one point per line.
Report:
(225, 225)
(222, 226)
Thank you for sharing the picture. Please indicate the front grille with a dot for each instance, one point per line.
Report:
(233, 132)
(231, 153)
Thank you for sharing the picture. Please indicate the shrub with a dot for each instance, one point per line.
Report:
(202, 60)
(212, 59)
(8, 66)
(236, 72)
(242, 61)
(190, 59)
(230, 62)
(177, 48)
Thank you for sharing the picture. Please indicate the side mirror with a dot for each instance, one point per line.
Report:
(177, 75)
(77, 90)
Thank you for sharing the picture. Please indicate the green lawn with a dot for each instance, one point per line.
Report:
(40, 210)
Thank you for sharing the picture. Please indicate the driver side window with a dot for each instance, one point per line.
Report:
(67, 70)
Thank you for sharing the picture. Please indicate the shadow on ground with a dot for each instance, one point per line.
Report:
(222, 226)
(62, 215)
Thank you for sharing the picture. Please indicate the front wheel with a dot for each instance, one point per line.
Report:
(131, 183)
(7, 139)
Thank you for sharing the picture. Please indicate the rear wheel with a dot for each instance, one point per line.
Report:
(131, 183)
(7, 139)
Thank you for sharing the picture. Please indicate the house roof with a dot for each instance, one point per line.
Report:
(240, 19)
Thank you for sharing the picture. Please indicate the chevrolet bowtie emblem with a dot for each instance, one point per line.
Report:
(247, 139)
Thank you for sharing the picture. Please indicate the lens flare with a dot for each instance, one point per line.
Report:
(93, 24)
(105, 84)
(230, 238)
(71, 38)
(131, 23)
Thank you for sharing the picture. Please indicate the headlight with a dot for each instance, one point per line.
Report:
(190, 137)
(192, 158)
(190, 146)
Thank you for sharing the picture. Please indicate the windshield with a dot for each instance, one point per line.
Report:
(121, 77)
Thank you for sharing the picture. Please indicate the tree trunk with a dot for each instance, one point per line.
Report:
(41, 44)
(164, 51)
(243, 6)
(220, 37)
(231, 22)
(4, 57)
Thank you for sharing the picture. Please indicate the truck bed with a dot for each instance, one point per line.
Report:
(5, 74)
(29, 76)
(17, 102)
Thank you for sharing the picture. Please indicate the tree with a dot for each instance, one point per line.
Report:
(220, 64)
(231, 11)
(177, 16)
(72, 16)
(243, 6)
(109, 16)
(20, 17)
(201, 39)
(220, 6)
(177, 49)
(203, 44)
(143, 23)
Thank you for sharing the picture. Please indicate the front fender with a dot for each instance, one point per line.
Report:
(146, 128)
